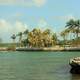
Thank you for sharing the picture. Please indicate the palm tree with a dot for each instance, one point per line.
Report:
(74, 26)
(25, 39)
(36, 37)
(30, 38)
(13, 37)
(47, 37)
(20, 38)
(70, 23)
(54, 39)
(26, 32)
(77, 28)
(64, 35)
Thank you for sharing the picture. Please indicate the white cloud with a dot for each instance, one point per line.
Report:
(8, 28)
(27, 3)
(4, 26)
(20, 27)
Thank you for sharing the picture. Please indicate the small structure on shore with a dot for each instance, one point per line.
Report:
(75, 65)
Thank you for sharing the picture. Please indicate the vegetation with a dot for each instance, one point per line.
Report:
(47, 38)
(37, 38)
(73, 28)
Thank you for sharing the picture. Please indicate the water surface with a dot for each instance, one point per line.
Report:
(36, 66)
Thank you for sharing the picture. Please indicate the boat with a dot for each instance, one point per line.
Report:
(75, 65)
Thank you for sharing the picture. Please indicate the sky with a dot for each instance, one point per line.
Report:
(18, 15)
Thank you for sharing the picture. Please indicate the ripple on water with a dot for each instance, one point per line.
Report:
(36, 66)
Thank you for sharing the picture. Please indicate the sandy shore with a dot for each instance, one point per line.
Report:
(7, 49)
(3, 49)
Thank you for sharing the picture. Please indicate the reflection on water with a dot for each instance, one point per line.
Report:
(36, 66)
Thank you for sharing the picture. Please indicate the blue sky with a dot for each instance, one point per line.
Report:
(17, 15)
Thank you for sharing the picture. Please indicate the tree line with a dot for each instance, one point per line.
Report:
(47, 38)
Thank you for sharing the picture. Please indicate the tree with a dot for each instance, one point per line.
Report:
(64, 34)
(26, 32)
(54, 39)
(77, 28)
(25, 40)
(70, 23)
(20, 38)
(13, 37)
(37, 38)
(74, 26)
(47, 37)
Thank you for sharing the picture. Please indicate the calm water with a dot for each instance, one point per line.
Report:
(36, 66)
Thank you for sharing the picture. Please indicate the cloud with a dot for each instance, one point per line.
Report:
(20, 27)
(5, 26)
(27, 3)
(15, 27)
(8, 28)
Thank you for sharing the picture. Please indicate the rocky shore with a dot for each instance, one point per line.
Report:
(75, 65)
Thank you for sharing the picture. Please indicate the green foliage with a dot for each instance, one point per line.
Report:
(38, 38)
(13, 36)
(73, 26)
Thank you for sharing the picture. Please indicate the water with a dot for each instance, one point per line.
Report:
(36, 66)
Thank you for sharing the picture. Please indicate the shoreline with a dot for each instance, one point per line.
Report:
(41, 49)
(56, 48)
